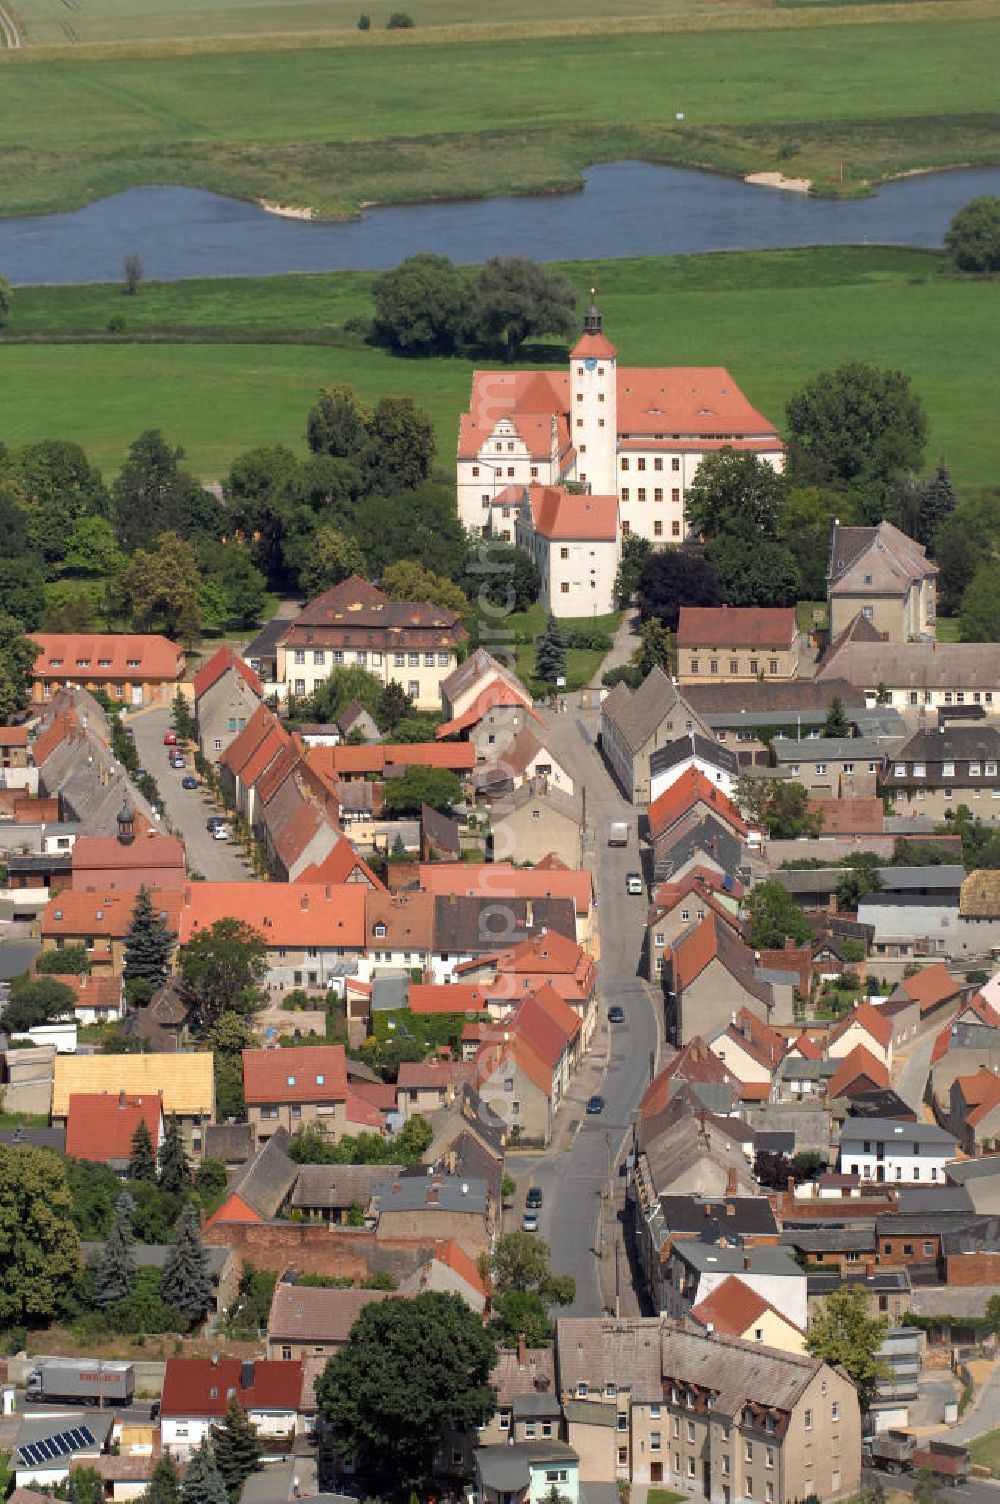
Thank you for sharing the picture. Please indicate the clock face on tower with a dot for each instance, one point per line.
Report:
(590, 363)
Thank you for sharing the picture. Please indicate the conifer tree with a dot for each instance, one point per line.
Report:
(148, 943)
(203, 1482)
(550, 654)
(164, 1485)
(142, 1159)
(937, 502)
(114, 1271)
(836, 723)
(237, 1450)
(175, 1171)
(187, 1283)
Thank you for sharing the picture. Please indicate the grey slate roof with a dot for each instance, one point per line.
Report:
(35, 1138)
(709, 1258)
(934, 1198)
(973, 1169)
(729, 703)
(636, 714)
(890, 1131)
(337, 1187)
(265, 644)
(828, 749)
(423, 1192)
(728, 1217)
(267, 1178)
(505, 1469)
(738, 1372)
(859, 1237)
(230, 1142)
(457, 922)
(882, 1282)
(693, 744)
(596, 1351)
(968, 1301)
(155, 1255)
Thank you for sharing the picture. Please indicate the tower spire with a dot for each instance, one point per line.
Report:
(592, 321)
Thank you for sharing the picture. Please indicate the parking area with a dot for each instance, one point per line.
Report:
(186, 810)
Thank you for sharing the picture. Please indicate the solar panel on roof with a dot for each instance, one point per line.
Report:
(47, 1448)
(87, 1435)
(80, 1435)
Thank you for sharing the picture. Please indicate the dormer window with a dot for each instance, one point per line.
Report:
(380, 931)
(83, 663)
(320, 1080)
(55, 663)
(131, 662)
(582, 1390)
(291, 1080)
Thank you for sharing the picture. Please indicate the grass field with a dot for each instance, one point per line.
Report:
(335, 126)
(986, 1451)
(774, 318)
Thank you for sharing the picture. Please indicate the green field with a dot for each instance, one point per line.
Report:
(774, 318)
(403, 116)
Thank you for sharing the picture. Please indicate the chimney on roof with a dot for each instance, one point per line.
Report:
(746, 1263)
(731, 1182)
(522, 1351)
(304, 902)
(121, 1098)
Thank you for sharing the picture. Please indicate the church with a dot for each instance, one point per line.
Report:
(638, 433)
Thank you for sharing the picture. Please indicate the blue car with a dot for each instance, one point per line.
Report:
(595, 1105)
(190, 782)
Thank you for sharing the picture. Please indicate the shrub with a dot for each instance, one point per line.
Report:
(117, 324)
(399, 21)
(364, 23)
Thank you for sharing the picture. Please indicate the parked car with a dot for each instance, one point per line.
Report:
(529, 1222)
(220, 832)
(616, 1014)
(130, 733)
(189, 782)
(213, 821)
(170, 739)
(533, 1199)
(177, 760)
(633, 884)
(595, 1105)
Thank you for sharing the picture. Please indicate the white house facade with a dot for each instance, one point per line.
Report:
(574, 541)
(886, 1151)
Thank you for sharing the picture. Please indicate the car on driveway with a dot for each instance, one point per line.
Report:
(529, 1222)
(595, 1105)
(616, 1014)
(533, 1199)
(170, 739)
(190, 782)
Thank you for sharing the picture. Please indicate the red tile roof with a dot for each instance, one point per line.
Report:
(458, 1261)
(339, 867)
(220, 663)
(201, 1386)
(858, 1062)
(89, 911)
(692, 788)
(100, 992)
(459, 997)
(235, 1209)
(100, 1125)
(313, 1073)
(754, 1036)
(89, 656)
(931, 986)
(13, 736)
(981, 1093)
(848, 817)
(286, 914)
(431, 1075)
(733, 1307)
(500, 880)
(350, 613)
(334, 762)
(695, 1062)
(244, 746)
(736, 626)
(868, 1018)
(979, 1008)
(557, 514)
(495, 693)
(106, 854)
(806, 1047)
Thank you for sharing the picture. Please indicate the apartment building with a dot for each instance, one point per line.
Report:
(736, 642)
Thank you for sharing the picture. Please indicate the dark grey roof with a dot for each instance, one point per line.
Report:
(918, 1224)
(337, 1187)
(530, 1405)
(154, 1255)
(230, 1142)
(882, 1282)
(880, 1103)
(927, 1198)
(265, 644)
(730, 703)
(422, 1192)
(505, 1469)
(696, 832)
(457, 927)
(773, 1141)
(442, 830)
(962, 1301)
(267, 1178)
(693, 744)
(35, 1138)
(890, 1130)
(828, 749)
(637, 714)
(709, 1258)
(951, 743)
(16, 957)
(728, 1217)
(859, 1237)
(973, 1169)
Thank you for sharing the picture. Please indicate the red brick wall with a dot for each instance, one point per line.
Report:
(972, 1269)
(318, 1249)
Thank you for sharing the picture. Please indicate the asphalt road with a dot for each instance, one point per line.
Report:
(186, 810)
(572, 1181)
(969, 1493)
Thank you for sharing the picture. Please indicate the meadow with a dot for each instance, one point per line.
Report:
(224, 366)
(872, 90)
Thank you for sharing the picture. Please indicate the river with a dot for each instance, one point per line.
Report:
(624, 209)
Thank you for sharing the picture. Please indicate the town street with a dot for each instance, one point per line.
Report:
(185, 810)
(572, 1180)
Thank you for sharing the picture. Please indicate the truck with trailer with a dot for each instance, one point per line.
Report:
(898, 1452)
(83, 1380)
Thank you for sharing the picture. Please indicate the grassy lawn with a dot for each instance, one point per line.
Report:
(774, 318)
(581, 663)
(986, 1451)
(809, 614)
(350, 118)
(664, 1496)
(947, 629)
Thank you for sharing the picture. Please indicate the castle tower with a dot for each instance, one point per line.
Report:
(593, 419)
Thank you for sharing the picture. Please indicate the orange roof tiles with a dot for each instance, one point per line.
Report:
(342, 863)
(593, 345)
(89, 911)
(981, 1093)
(868, 1018)
(493, 695)
(220, 663)
(805, 1047)
(733, 1307)
(556, 513)
(100, 1125)
(459, 757)
(399, 921)
(86, 656)
(242, 747)
(449, 1253)
(292, 914)
(931, 986)
(849, 816)
(13, 736)
(757, 1038)
(458, 997)
(499, 880)
(694, 401)
(106, 854)
(313, 1073)
(692, 788)
(858, 1062)
(100, 992)
(736, 626)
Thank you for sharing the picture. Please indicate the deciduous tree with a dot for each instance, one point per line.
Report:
(161, 586)
(760, 573)
(407, 580)
(17, 659)
(513, 299)
(22, 590)
(39, 1245)
(332, 557)
(64, 961)
(843, 1332)
(501, 574)
(736, 494)
(854, 428)
(36, 1002)
(973, 237)
(775, 917)
(57, 487)
(224, 966)
(338, 422)
(399, 449)
(6, 300)
(438, 787)
(421, 306)
(781, 808)
(635, 551)
(674, 578)
(979, 619)
(410, 1370)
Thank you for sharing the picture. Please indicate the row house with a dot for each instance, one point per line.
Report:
(500, 882)
(832, 767)
(153, 860)
(636, 723)
(884, 1150)
(883, 576)
(734, 1309)
(635, 433)
(545, 959)
(481, 680)
(737, 642)
(16, 760)
(937, 770)
(227, 692)
(523, 1072)
(416, 644)
(711, 972)
(100, 920)
(694, 1270)
(682, 901)
(748, 714)
(196, 1392)
(706, 1413)
(967, 1043)
(81, 782)
(719, 765)
(525, 757)
(313, 932)
(388, 759)
(693, 816)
